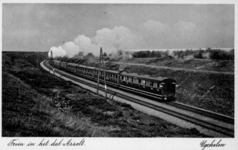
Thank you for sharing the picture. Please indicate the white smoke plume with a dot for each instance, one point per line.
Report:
(149, 33)
(110, 40)
(57, 52)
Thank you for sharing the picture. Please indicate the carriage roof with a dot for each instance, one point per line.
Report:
(145, 77)
(112, 71)
(133, 75)
(72, 64)
(88, 67)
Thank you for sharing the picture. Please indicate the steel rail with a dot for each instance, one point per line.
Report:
(204, 112)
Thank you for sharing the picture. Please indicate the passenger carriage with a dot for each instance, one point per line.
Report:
(63, 65)
(56, 63)
(89, 71)
(157, 85)
(112, 76)
(163, 87)
(71, 67)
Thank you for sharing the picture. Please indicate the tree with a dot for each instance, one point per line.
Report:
(90, 55)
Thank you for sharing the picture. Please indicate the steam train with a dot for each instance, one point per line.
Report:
(159, 87)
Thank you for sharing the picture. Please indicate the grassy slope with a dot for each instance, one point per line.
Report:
(36, 103)
(197, 64)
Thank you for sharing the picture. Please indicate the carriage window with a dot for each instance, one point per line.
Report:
(148, 83)
(129, 79)
(155, 84)
(143, 82)
(135, 80)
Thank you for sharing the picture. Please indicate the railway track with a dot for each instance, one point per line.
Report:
(223, 125)
(211, 114)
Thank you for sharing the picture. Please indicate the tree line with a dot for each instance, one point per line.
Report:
(216, 54)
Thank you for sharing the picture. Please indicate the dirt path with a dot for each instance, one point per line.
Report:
(174, 68)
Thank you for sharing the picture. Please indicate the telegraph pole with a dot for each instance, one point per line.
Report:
(99, 68)
(102, 64)
(104, 68)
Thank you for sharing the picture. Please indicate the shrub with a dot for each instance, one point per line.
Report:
(221, 55)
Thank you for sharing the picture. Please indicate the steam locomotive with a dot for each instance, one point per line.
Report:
(159, 87)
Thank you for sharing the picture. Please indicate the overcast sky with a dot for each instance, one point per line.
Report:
(39, 27)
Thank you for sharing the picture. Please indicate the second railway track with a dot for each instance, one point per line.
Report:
(217, 123)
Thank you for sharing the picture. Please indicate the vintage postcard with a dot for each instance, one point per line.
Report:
(118, 75)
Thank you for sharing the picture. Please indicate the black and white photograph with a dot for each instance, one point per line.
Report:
(118, 75)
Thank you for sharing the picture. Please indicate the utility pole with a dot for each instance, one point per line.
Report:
(99, 68)
(104, 68)
(102, 65)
